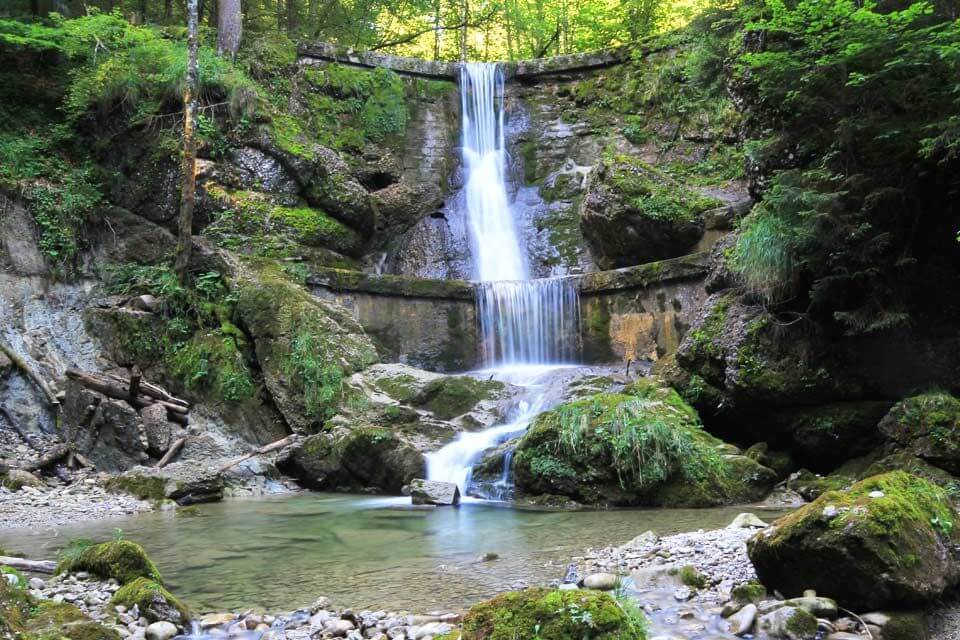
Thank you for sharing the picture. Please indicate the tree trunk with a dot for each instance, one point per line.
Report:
(465, 9)
(167, 10)
(188, 187)
(292, 17)
(229, 27)
(35, 7)
(436, 29)
(33, 566)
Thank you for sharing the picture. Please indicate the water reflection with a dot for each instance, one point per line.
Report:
(278, 554)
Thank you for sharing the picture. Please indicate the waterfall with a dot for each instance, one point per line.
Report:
(524, 324)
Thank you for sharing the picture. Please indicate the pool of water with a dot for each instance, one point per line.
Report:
(363, 552)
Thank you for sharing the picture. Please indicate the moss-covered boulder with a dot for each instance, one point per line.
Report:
(452, 396)
(891, 538)
(122, 560)
(183, 482)
(305, 346)
(552, 615)
(153, 601)
(641, 446)
(633, 214)
(928, 426)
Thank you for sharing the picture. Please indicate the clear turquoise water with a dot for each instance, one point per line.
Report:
(279, 553)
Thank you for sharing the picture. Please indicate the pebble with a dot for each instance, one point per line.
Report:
(162, 630)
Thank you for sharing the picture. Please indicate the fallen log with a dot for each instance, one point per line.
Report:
(47, 459)
(121, 391)
(33, 375)
(16, 427)
(171, 452)
(152, 391)
(33, 566)
(273, 446)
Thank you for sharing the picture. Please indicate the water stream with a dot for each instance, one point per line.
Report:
(528, 327)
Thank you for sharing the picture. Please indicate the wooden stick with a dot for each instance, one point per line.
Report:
(33, 375)
(152, 390)
(33, 566)
(171, 452)
(48, 458)
(16, 427)
(135, 376)
(273, 446)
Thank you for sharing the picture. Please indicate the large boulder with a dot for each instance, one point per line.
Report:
(152, 600)
(928, 426)
(364, 457)
(888, 541)
(107, 431)
(184, 482)
(433, 492)
(305, 346)
(633, 214)
(641, 446)
(552, 615)
(122, 560)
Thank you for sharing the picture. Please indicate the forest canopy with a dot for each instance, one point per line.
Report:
(430, 29)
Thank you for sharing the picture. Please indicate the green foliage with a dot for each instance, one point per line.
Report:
(690, 576)
(144, 593)
(10, 571)
(656, 195)
(321, 380)
(864, 100)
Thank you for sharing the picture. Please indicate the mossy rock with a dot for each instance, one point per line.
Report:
(306, 347)
(452, 396)
(927, 425)
(143, 486)
(780, 461)
(749, 592)
(378, 458)
(905, 625)
(906, 461)
(826, 435)
(24, 617)
(641, 446)
(121, 560)
(892, 537)
(551, 615)
(153, 601)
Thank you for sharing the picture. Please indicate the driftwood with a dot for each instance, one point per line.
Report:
(47, 459)
(273, 446)
(33, 375)
(134, 389)
(171, 452)
(33, 566)
(152, 391)
(109, 386)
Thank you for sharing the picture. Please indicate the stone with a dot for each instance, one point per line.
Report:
(15, 479)
(927, 426)
(601, 581)
(747, 521)
(647, 538)
(742, 621)
(790, 623)
(843, 635)
(36, 583)
(145, 302)
(162, 630)
(216, 620)
(434, 492)
(865, 543)
(818, 606)
(157, 429)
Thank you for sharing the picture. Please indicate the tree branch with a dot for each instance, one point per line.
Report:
(410, 37)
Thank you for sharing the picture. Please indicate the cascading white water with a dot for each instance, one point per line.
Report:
(523, 322)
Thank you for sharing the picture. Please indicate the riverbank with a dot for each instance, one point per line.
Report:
(52, 502)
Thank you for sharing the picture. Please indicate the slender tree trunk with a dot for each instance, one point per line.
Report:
(465, 8)
(292, 17)
(167, 10)
(280, 14)
(436, 29)
(229, 27)
(35, 7)
(508, 25)
(188, 186)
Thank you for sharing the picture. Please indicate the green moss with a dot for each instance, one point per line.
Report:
(690, 576)
(802, 624)
(905, 626)
(143, 486)
(749, 592)
(398, 387)
(656, 195)
(705, 339)
(148, 596)
(26, 618)
(10, 571)
(551, 615)
(213, 361)
(528, 151)
(121, 560)
(451, 396)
